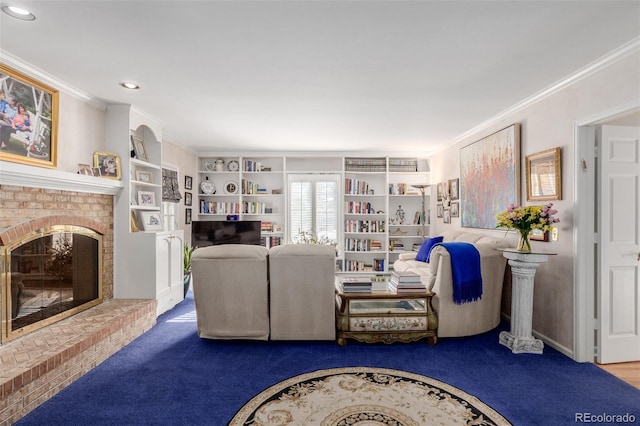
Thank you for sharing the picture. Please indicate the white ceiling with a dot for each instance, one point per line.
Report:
(317, 75)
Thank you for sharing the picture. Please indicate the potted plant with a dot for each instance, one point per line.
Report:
(188, 250)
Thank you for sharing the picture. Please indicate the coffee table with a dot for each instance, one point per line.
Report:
(383, 315)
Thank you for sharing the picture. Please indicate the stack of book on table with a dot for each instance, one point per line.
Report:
(406, 282)
(356, 285)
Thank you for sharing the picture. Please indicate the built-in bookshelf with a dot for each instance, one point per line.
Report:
(381, 209)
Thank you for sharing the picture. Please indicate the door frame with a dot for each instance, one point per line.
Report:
(585, 238)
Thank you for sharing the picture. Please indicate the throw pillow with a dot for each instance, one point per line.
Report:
(425, 248)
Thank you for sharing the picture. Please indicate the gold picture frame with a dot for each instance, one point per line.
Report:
(544, 175)
(32, 140)
(108, 163)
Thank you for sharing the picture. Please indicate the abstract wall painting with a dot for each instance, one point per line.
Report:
(489, 177)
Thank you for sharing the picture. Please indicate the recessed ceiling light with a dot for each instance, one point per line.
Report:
(18, 13)
(128, 85)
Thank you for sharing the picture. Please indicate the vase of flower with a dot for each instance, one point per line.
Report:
(525, 219)
(523, 243)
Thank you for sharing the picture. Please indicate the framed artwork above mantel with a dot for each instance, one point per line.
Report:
(28, 120)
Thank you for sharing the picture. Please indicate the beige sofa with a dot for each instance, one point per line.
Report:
(302, 292)
(249, 292)
(469, 318)
(231, 291)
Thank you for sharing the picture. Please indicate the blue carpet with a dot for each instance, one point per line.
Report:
(169, 376)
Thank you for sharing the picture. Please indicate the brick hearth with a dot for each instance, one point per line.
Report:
(37, 366)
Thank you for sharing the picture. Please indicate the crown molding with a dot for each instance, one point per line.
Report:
(31, 70)
(607, 60)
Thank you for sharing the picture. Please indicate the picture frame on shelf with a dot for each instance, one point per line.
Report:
(188, 199)
(146, 198)
(544, 175)
(133, 223)
(455, 209)
(85, 169)
(108, 163)
(538, 235)
(151, 221)
(187, 216)
(34, 141)
(139, 148)
(188, 183)
(142, 176)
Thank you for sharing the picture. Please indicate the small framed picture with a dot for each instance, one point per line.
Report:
(538, 235)
(277, 228)
(187, 199)
(145, 177)
(544, 175)
(95, 171)
(454, 193)
(151, 221)
(108, 163)
(188, 183)
(455, 209)
(139, 149)
(446, 217)
(146, 198)
(85, 169)
(187, 216)
(439, 210)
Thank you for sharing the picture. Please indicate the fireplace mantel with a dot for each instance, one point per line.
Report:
(37, 177)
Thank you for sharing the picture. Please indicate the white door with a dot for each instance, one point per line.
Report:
(619, 248)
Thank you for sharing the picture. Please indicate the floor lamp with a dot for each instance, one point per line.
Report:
(423, 214)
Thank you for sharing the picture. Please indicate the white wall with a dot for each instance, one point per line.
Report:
(546, 124)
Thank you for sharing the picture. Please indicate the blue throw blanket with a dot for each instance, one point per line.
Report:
(465, 266)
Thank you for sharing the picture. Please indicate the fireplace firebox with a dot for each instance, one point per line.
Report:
(48, 275)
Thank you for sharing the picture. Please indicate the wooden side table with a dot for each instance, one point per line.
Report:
(385, 316)
(523, 268)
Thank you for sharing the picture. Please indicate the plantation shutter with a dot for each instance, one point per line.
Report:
(313, 206)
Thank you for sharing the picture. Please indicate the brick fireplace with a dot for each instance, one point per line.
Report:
(36, 366)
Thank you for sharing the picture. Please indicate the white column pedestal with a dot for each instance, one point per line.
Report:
(523, 270)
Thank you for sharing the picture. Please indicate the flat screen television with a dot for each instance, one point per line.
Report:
(216, 232)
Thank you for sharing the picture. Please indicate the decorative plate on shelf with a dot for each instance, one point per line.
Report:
(208, 187)
(208, 166)
(233, 166)
(231, 187)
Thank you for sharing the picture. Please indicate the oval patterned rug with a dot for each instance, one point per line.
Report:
(364, 396)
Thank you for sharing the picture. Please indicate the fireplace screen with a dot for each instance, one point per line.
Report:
(49, 276)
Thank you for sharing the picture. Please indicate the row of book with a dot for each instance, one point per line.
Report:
(357, 187)
(356, 244)
(254, 166)
(271, 241)
(219, 207)
(255, 208)
(362, 266)
(403, 164)
(251, 188)
(365, 164)
(359, 207)
(352, 225)
(406, 282)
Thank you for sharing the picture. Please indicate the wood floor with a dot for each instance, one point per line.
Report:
(627, 371)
